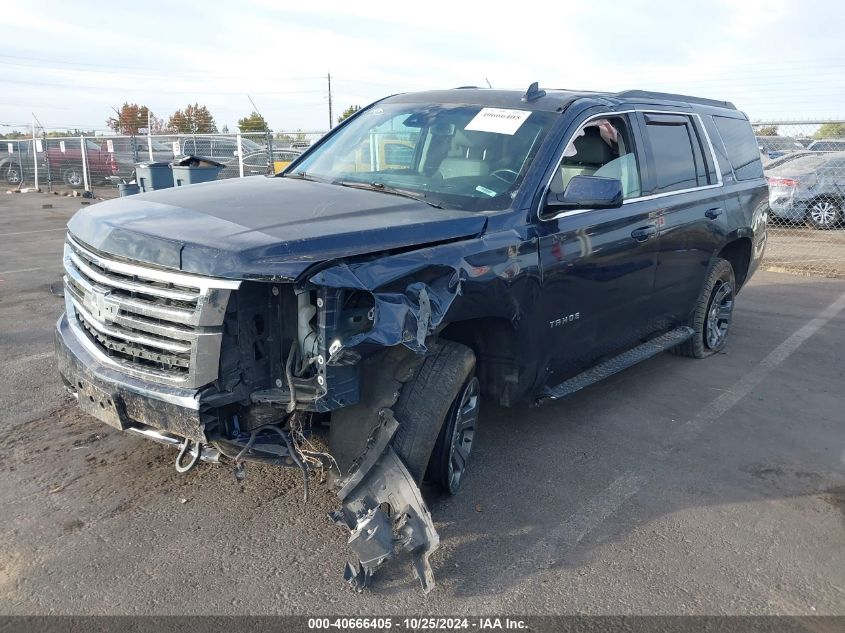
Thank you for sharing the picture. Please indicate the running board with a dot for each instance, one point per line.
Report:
(618, 363)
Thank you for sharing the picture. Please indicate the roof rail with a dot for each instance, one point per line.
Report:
(647, 94)
(466, 88)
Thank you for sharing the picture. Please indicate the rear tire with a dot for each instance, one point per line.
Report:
(428, 406)
(711, 318)
(73, 177)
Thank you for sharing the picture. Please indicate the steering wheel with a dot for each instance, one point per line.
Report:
(499, 174)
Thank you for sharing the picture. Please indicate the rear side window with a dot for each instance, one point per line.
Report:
(676, 152)
(741, 145)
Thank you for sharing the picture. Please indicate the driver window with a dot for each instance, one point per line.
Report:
(602, 147)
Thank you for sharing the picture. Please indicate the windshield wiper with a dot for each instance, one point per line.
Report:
(380, 186)
(301, 175)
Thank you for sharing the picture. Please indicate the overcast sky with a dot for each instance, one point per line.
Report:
(70, 62)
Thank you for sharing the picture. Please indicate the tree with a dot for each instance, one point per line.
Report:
(224, 129)
(830, 130)
(253, 123)
(131, 117)
(348, 113)
(66, 133)
(194, 119)
(766, 130)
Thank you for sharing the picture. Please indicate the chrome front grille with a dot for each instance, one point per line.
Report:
(151, 323)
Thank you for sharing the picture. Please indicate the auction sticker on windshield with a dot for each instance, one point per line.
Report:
(498, 120)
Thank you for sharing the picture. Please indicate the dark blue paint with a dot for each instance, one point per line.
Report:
(505, 265)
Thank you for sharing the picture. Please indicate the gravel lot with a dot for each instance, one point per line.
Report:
(795, 248)
(677, 487)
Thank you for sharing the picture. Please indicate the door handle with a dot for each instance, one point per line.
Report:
(643, 233)
(713, 213)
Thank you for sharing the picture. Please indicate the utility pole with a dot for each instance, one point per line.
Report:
(331, 118)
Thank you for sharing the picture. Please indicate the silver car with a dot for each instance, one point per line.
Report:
(809, 188)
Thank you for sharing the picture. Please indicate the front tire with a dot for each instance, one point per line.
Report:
(450, 457)
(435, 409)
(13, 174)
(713, 313)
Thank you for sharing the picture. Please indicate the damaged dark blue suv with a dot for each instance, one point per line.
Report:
(435, 249)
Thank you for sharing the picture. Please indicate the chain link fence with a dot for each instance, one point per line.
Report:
(804, 163)
(99, 163)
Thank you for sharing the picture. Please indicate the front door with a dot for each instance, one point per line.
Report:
(598, 265)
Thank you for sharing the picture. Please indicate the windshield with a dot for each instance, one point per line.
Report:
(459, 156)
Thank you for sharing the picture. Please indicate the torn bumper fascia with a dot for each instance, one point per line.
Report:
(405, 318)
(376, 536)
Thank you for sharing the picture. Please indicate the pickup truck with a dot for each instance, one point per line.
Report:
(353, 321)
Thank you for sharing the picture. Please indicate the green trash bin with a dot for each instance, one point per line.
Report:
(191, 170)
(153, 175)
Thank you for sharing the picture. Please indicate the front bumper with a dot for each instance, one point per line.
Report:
(122, 401)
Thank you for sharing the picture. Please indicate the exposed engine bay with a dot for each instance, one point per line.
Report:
(289, 392)
(274, 407)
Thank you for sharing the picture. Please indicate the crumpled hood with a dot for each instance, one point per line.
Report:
(262, 227)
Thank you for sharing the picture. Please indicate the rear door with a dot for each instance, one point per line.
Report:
(682, 177)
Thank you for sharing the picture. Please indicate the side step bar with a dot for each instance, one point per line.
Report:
(618, 363)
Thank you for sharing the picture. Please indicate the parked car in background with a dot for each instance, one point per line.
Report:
(772, 163)
(809, 188)
(282, 158)
(382, 151)
(776, 146)
(65, 158)
(129, 150)
(219, 148)
(827, 145)
(15, 161)
(257, 164)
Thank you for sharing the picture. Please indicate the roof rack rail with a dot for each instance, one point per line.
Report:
(466, 88)
(647, 94)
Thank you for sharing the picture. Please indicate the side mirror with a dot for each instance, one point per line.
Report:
(587, 192)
